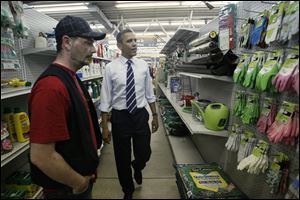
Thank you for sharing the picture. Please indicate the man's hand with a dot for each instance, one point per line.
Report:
(83, 186)
(106, 135)
(154, 124)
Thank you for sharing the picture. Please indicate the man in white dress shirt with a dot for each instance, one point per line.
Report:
(127, 88)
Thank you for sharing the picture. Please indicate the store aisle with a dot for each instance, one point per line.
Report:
(158, 176)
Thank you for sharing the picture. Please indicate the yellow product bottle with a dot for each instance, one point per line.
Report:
(8, 117)
(22, 125)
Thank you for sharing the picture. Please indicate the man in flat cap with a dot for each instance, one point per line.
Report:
(64, 132)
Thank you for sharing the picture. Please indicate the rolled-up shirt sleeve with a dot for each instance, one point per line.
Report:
(106, 91)
(149, 93)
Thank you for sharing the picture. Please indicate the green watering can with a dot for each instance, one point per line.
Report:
(215, 115)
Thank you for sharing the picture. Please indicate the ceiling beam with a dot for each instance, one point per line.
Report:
(100, 16)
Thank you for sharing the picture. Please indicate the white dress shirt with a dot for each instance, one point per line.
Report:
(113, 90)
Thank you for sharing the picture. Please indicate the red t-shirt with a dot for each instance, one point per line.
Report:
(49, 105)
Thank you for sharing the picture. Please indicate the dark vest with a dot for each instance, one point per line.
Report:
(79, 151)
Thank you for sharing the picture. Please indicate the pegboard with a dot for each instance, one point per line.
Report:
(255, 184)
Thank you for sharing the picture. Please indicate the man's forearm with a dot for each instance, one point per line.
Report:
(54, 166)
(104, 116)
(153, 108)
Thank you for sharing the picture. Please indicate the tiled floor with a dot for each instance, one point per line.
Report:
(158, 176)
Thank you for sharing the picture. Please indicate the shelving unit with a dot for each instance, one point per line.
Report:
(181, 36)
(206, 76)
(194, 126)
(13, 92)
(100, 58)
(39, 51)
(17, 150)
(91, 78)
(183, 149)
(96, 100)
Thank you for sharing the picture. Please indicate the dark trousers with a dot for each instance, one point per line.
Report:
(126, 126)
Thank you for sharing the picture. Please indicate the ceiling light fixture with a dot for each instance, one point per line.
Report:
(172, 23)
(135, 5)
(69, 8)
(59, 5)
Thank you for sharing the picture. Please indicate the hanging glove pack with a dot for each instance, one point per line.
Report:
(290, 22)
(251, 112)
(241, 69)
(257, 161)
(286, 125)
(234, 139)
(259, 32)
(247, 143)
(283, 81)
(267, 116)
(275, 21)
(268, 72)
(240, 103)
(254, 67)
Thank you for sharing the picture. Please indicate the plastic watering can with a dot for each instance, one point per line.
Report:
(215, 115)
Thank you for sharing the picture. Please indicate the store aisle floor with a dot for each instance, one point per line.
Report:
(158, 176)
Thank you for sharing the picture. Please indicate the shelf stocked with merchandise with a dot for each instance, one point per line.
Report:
(96, 100)
(18, 149)
(181, 36)
(183, 149)
(39, 51)
(207, 76)
(101, 58)
(13, 92)
(91, 78)
(195, 127)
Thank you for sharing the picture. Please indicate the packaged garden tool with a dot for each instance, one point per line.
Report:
(275, 173)
(267, 115)
(293, 189)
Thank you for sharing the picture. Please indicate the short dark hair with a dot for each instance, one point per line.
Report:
(121, 34)
(58, 45)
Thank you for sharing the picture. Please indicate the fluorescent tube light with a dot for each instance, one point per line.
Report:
(131, 5)
(70, 8)
(189, 3)
(130, 1)
(96, 26)
(172, 23)
(59, 5)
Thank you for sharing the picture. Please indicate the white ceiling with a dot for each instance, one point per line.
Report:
(161, 19)
(139, 18)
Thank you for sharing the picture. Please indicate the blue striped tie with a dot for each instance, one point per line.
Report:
(130, 89)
